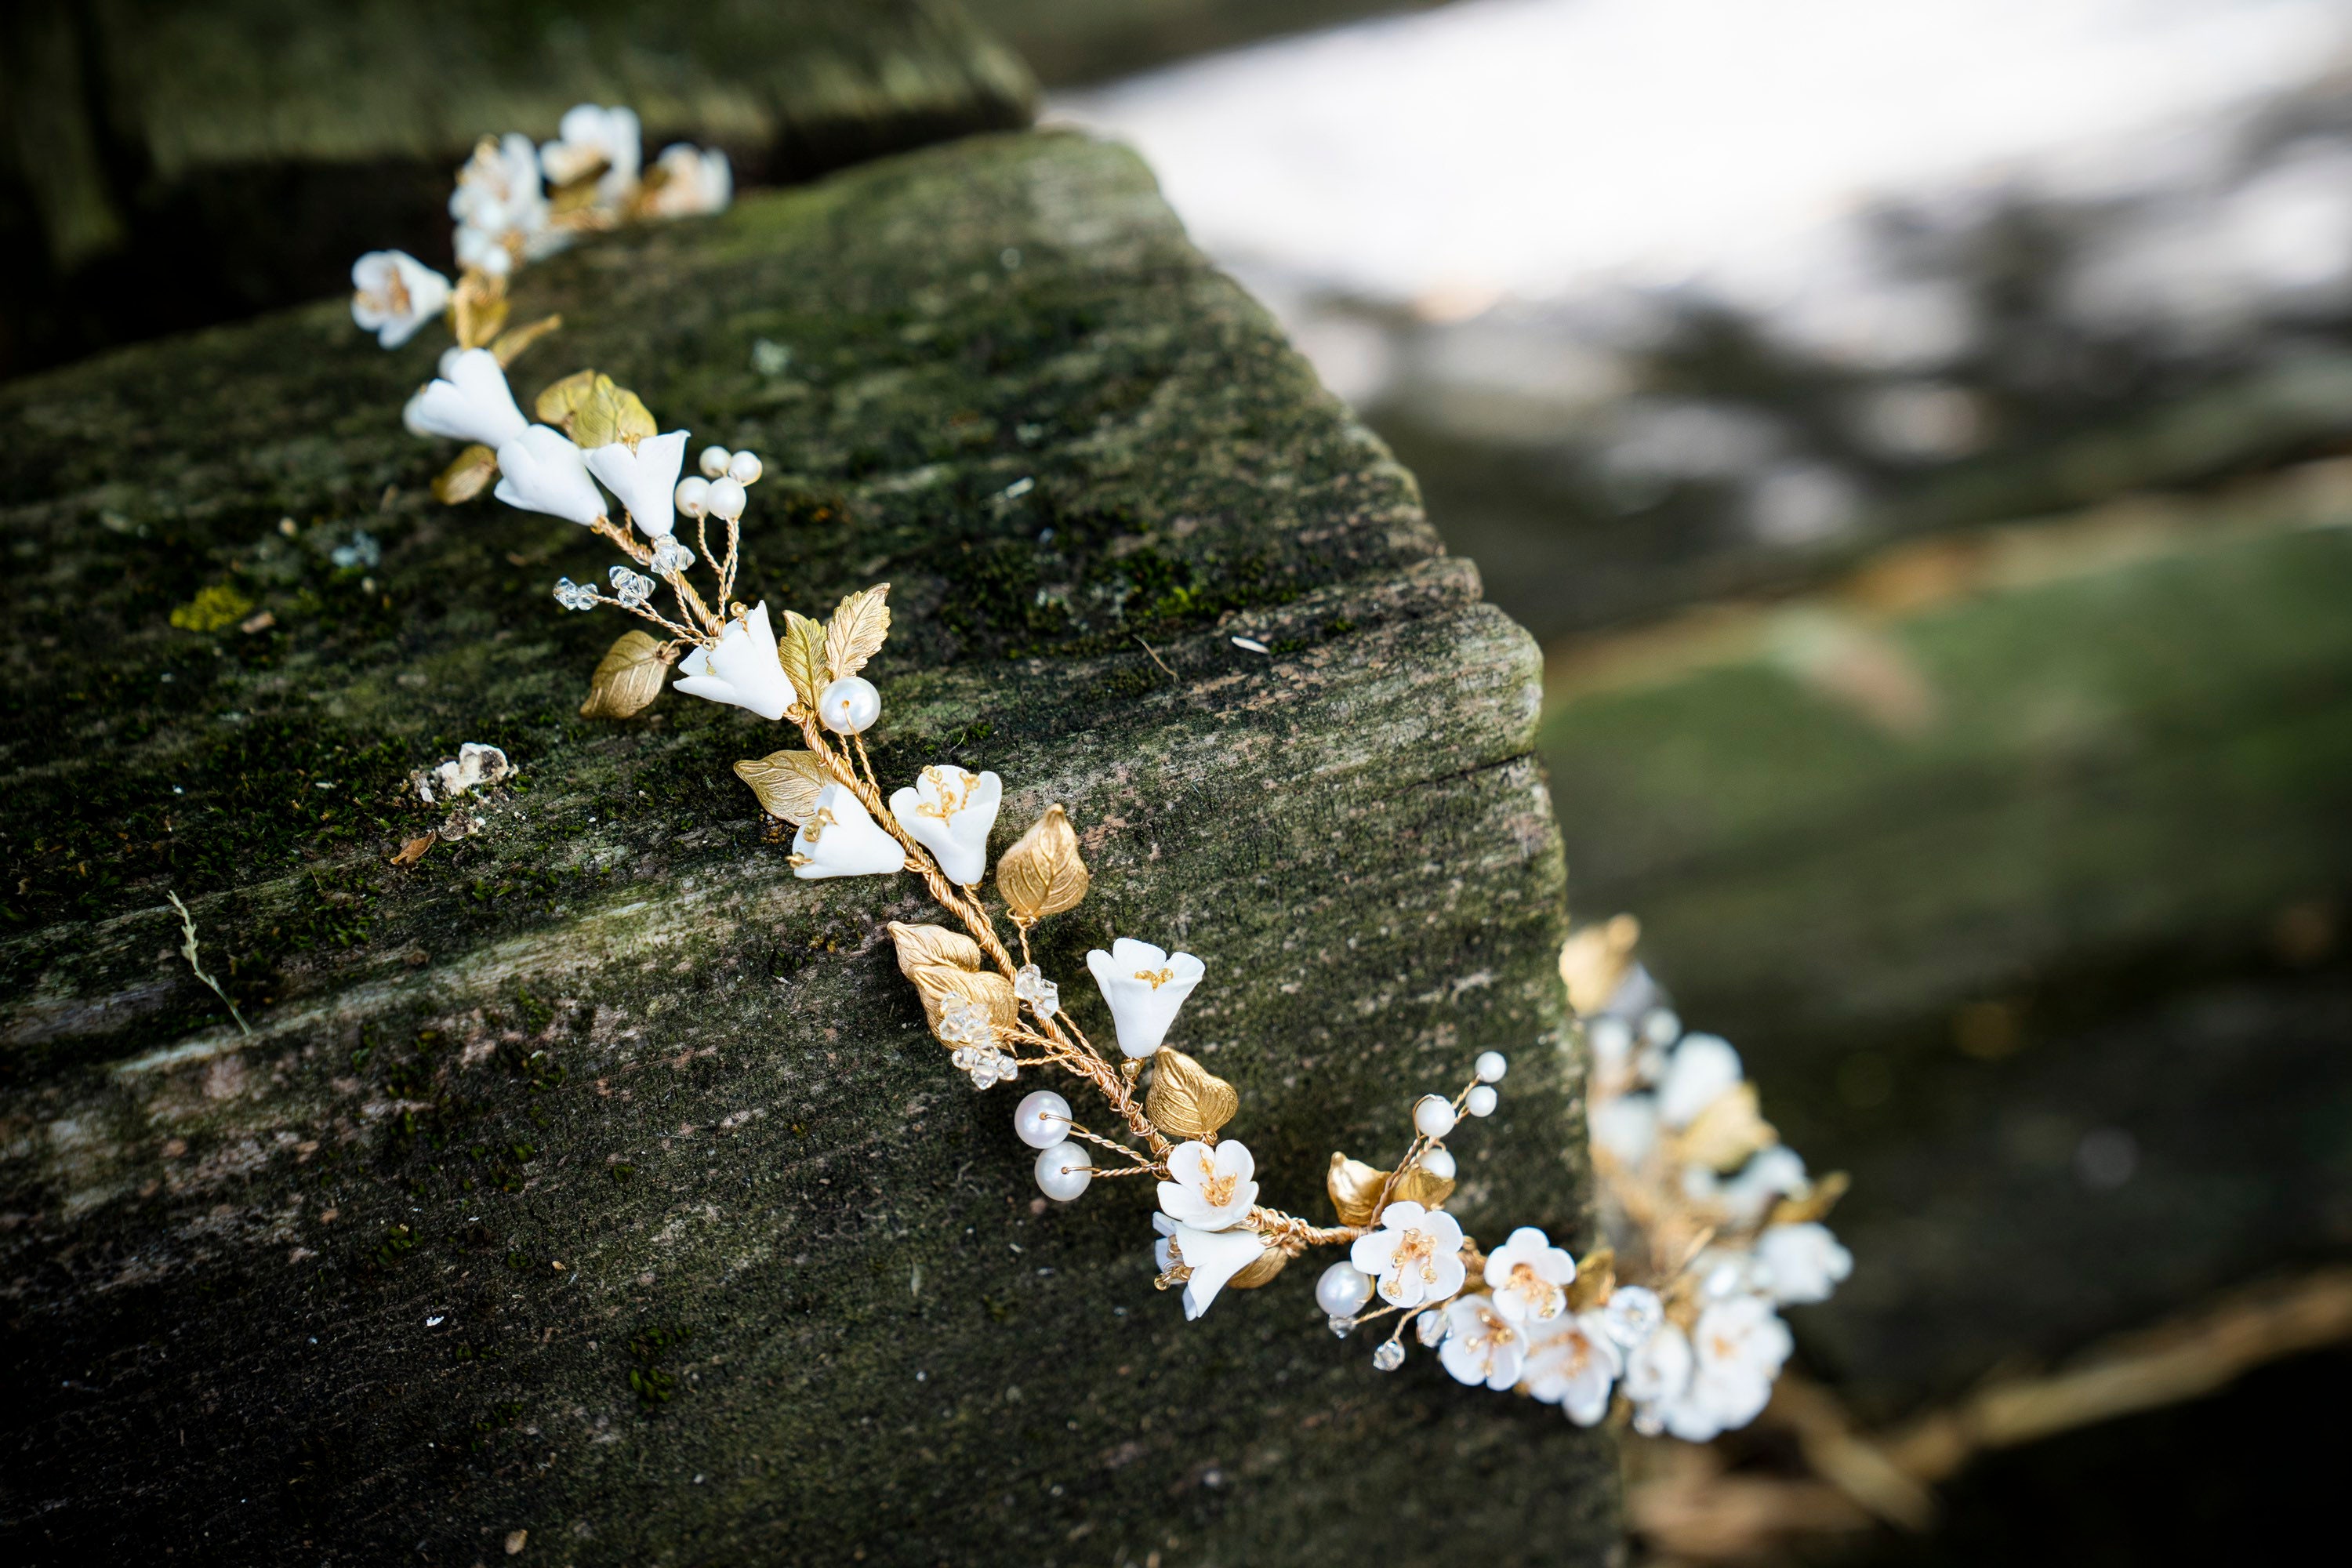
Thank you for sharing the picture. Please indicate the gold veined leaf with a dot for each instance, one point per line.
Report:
(1260, 1269)
(801, 651)
(984, 989)
(860, 623)
(920, 946)
(510, 344)
(1186, 1098)
(1595, 958)
(467, 477)
(628, 677)
(477, 307)
(1420, 1186)
(1042, 875)
(1815, 1204)
(1355, 1189)
(1596, 1276)
(1727, 1133)
(787, 782)
(559, 400)
(609, 414)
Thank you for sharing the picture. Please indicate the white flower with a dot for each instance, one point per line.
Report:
(1701, 1071)
(594, 141)
(540, 470)
(1481, 1344)
(469, 402)
(743, 670)
(1802, 1262)
(1774, 1174)
(1632, 1314)
(394, 294)
(1738, 1349)
(687, 181)
(840, 840)
(1208, 1258)
(1659, 1368)
(1572, 1361)
(948, 811)
(1212, 1189)
(1627, 1129)
(645, 477)
(1416, 1255)
(499, 207)
(1143, 986)
(1529, 1277)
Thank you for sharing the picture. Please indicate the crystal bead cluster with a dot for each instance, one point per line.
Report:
(967, 1028)
(1031, 986)
(574, 595)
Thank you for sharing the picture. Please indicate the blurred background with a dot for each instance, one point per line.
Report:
(1919, 434)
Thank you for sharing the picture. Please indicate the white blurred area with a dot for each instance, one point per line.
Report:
(1539, 173)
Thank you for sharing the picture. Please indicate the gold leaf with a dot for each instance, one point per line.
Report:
(628, 677)
(1260, 1269)
(801, 651)
(1420, 1186)
(1186, 1098)
(559, 400)
(921, 945)
(1815, 1204)
(467, 477)
(609, 414)
(510, 343)
(1594, 960)
(1042, 874)
(860, 623)
(787, 782)
(1596, 1276)
(1355, 1189)
(478, 307)
(1727, 1133)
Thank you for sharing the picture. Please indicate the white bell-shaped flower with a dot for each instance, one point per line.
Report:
(591, 138)
(1143, 985)
(393, 294)
(1212, 1189)
(469, 401)
(1212, 1258)
(540, 470)
(948, 811)
(741, 670)
(839, 839)
(645, 477)
(688, 181)
(498, 195)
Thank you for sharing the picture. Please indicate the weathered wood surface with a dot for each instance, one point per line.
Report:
(2017, 862)
(297, 1298)
(168, 163)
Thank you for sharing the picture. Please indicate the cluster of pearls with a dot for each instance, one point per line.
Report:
(632, 588)
(574, 595)
(1042, 1120)
(719, 489)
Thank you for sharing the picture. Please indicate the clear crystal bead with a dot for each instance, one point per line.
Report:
(574, 595)
(632, 588)
(1431, 1327)
(1340, 1327)
(670, 556)
(1390, 1356)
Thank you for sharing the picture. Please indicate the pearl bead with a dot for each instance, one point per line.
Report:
(1438, 1162)
(1433, 1116)
(1491, 1067)
(1343, 1291)
(745, 468)
(1042, 1118)
(849, 706)
(1480, 1101)
(1063, 1171)
(693, 496)
(727, 499)
(715, 460)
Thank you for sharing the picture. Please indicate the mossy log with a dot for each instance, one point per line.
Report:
(593, 1177)
(2018, 862)
(169, 163)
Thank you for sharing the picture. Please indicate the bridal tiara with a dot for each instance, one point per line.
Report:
(1711, 1225)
